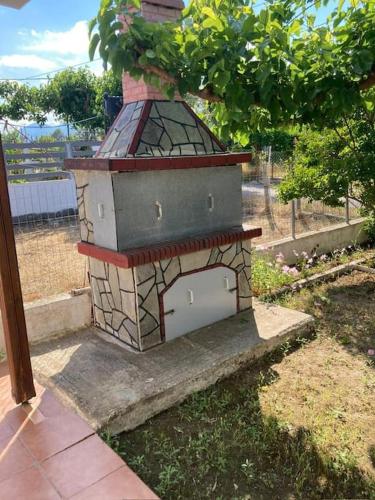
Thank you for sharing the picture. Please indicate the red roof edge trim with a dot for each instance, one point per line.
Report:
(159, 163)
(145, 255)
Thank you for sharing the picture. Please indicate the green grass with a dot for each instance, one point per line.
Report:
(220, 444)
(266, 277)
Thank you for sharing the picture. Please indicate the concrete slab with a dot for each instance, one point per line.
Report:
(116, 389)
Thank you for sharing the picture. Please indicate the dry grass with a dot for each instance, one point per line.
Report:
(48, 259)
(278, 223)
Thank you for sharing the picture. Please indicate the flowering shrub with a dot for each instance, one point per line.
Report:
(269, 275)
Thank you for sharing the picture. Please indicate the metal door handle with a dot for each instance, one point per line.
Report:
(211, 202)
(190, 296)
(159, 210)
(226, 283)
(101, 210)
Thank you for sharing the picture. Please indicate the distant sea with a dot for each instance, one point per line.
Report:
(33, 131)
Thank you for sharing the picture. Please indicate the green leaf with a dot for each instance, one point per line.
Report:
(135, 3)
(213, 23)
(91, 25)
(249, 24)
(104, 6)
(150, 54)
(93, 45)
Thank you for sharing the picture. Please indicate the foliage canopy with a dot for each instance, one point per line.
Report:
(73, 95)
(335, 162)
(256, 66)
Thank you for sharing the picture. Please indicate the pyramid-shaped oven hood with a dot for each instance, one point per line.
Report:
(156, 128)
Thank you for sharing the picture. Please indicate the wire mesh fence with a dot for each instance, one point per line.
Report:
(44, 213)
(47, 228)
(261, 206)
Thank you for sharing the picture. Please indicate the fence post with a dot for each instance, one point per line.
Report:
(293, 219)
(68, 150)
(69, 154)
(266, 184)
(347, 212)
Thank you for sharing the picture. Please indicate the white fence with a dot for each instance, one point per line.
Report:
(38, 185)
(44, 160)
(43, 197)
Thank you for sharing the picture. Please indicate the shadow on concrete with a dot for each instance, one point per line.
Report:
(115, 388)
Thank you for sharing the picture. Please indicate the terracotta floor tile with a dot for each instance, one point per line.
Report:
(123, 484)
(14, 458)
(28, 485)
(6, 401)
(6, 430)
(80, 466)
(3, 369)
(19, 417)
(54, 434)
(49, 406)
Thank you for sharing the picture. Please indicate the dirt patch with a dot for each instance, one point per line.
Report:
(298, 424)
(48, 259)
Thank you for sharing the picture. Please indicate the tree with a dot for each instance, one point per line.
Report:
(19, 101)
(77, 96)
(73, 95)
(336, 162)
(256, 67)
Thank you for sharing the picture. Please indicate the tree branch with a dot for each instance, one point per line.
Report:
(369, 82)
(207, 94)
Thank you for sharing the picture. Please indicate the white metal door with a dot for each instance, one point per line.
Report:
(198, 300)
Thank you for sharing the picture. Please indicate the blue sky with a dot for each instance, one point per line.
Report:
(44, 35)
(49, 34)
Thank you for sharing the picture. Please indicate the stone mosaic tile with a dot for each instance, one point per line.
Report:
(170, 130)
(120, 136)
(126, 301)
(86, 225)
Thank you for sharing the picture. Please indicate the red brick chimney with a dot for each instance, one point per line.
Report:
(154, 11)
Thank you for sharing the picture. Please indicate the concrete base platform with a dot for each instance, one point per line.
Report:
(116, 389)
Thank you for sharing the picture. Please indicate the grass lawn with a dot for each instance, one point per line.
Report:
(297, 424)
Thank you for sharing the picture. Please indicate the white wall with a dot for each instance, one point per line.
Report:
(323, 241)
(55, 316)
(42, 197)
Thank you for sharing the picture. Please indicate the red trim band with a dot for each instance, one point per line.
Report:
(158, 163)
(139, 256)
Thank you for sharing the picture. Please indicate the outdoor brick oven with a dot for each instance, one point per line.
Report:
(161, 218)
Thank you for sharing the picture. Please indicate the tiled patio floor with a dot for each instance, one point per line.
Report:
(48, 452)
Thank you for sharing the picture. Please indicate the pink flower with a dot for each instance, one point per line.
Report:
(323, 257)
(293, 271)
(285, 269)
(305, 255)
(279, 257)
(371, 352)
(295, 253)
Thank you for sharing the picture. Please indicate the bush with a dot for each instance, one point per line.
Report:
(279, 140)
(267, 275)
